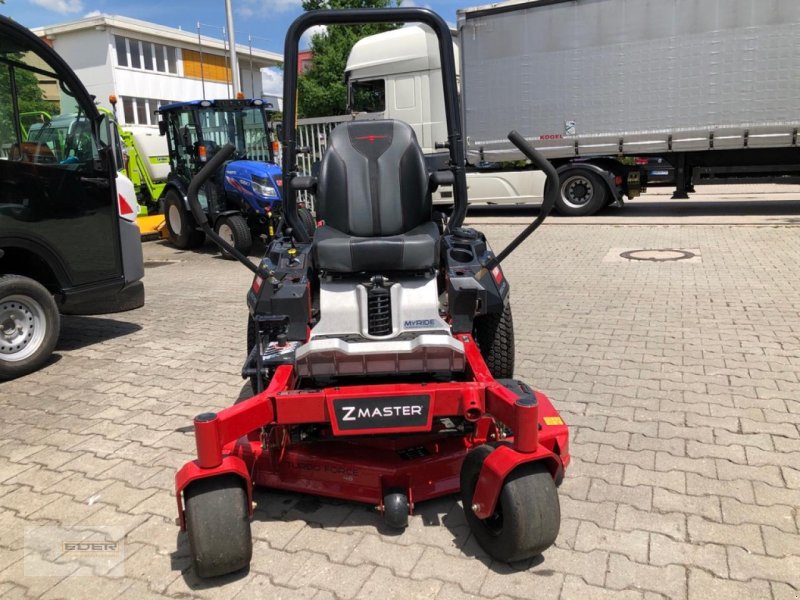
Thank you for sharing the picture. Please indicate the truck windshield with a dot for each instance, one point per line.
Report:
(245, 128)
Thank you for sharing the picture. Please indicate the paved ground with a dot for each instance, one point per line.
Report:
(680, 380)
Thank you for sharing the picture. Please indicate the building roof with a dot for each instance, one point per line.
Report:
(145, 28)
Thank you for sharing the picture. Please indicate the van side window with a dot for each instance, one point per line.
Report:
(39, 119)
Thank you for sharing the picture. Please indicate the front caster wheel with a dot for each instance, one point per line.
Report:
(395, 509)
(218, 525)
(527, 516)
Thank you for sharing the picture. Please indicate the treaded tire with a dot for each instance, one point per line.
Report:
(309, 224)
(218, 525)
(29, 313)
(495, 336)
(587, 203)
(528, 513)
(234, 230)
(181, 225)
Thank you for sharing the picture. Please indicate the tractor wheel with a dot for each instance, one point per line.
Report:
(309, 224)
(494, 334)
(234, 230)
(218, 525)
(581, 193)
(395, 508)
(180, 224)
(29, 325)
(527, 516)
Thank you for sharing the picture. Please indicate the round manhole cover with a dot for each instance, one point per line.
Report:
(658, 255)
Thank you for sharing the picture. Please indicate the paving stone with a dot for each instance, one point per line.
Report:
(521, 581)
(342, 580)
(260, 586)
(672, 524)
(664, 551)
(704, 586)
(639, 496)
(674, 480)
(778, 516)
(335, 545)
(780, 543)
(747, 536)
(745, 566)
(382, 584)
(576, 589)
(633, 544)
(768, 495)
(400, 559)
(624, 574)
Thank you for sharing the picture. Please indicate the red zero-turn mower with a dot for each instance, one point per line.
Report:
(381, 352)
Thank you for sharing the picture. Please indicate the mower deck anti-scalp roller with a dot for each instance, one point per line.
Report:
(381, 351)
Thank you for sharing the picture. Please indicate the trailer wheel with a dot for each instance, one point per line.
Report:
(29, 325)
(494, 334)
(582, 193)
(234, 230)
(218, 525)
(309, 224)
(180, 224)
(527, 517)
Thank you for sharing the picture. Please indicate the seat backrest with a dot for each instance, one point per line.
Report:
(373, 180)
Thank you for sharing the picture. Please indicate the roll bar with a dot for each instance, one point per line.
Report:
(358, 17)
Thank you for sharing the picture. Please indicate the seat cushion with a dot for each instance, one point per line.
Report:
(341, 253)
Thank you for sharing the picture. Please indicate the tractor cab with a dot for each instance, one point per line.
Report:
(243, 198)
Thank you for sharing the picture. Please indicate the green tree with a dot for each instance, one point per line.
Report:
(30, 98)
(322, 91)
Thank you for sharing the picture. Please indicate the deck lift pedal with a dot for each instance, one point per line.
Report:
(381, 351)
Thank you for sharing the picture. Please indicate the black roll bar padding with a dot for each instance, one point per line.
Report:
(550, 195)
(199, 214)
(357, 17)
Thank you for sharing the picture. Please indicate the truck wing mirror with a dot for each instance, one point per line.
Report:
(162, 127)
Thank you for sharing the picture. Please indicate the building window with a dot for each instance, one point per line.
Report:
(146, 55)
(127, 106)
(122, 51)
(141, 111)
(136, 53)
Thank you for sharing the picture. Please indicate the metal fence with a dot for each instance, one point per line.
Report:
(313, 135)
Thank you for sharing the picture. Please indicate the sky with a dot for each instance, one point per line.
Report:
(265, 20)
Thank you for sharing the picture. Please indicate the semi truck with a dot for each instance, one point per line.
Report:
(708, 86)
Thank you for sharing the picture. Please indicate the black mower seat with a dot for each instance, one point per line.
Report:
(373, 195)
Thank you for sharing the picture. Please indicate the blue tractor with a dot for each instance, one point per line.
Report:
(243, 199)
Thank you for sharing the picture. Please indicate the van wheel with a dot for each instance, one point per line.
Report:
(29, 325)
(181, 226)
(234, 230)
(581, 193)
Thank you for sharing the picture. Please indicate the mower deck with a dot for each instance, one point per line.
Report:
(416, 453)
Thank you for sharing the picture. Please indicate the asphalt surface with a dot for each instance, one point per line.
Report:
(680, 381)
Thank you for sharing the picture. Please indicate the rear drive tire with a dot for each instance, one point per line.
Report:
(181, 226)
(218, 525)
(29, 325)
(494, 334)
(234, 230)
(581, 193)
(528, 514)
(309, 224)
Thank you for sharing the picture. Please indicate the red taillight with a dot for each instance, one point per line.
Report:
(201, 152)
(617, 180)
(257, 284)
(125, 208)
(497, 273)
(640, 161)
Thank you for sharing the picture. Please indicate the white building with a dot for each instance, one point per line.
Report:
(145, 65)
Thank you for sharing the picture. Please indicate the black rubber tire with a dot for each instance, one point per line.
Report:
(28, 293)
(183, 235)
(494, 334)
(595, 201)
(528, 513)
(218, 525)
(241, 237)
(309, 224)
(395, 509)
